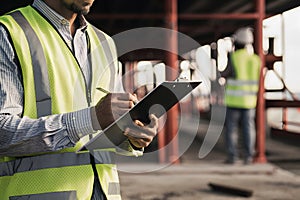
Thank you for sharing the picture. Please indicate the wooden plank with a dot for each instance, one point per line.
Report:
(231, 189)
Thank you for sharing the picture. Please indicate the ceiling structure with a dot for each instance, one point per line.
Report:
(195, 17)
(203, 20)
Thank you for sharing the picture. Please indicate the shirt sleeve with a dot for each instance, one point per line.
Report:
(127, 149)
(229, 70)
(22, 135)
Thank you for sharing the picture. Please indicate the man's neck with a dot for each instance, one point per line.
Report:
(61, 9)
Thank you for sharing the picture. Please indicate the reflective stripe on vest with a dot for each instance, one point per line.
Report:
(77, 178)
(57, 160)
(241, 87)
(34, 40)
(242, 82)
(40, 70)
(241, 92)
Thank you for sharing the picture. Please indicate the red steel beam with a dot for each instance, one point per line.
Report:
(260, 118)
(150, 16)
(171, 19)
(276, 103)
(241, 16)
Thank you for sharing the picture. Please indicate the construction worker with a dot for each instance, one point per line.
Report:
(242, 75)
(52, 61)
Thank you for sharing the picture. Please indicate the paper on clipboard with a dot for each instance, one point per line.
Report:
(157, 102)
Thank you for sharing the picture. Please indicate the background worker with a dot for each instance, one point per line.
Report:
(242, 75)
(52, 61)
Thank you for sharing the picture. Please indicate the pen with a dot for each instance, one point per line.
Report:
(107, 92)
(103, 90)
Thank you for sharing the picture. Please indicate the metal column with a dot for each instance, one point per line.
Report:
(260, 117)
(171, 130)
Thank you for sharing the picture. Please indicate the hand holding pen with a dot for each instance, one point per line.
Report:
(135, 101)
(113, 106)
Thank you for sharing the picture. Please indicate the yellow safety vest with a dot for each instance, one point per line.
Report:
(241, 92)
(53, 83)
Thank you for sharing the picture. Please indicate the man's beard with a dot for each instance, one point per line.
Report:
(78, 10)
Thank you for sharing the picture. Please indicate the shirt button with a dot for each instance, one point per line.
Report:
(64, 21)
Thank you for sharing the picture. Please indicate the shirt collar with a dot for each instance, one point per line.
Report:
(56, 19)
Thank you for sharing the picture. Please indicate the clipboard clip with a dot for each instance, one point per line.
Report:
(182, 79)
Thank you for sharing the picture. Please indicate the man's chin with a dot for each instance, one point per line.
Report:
(84, 11)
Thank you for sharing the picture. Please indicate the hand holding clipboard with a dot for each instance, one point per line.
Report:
(157, 102)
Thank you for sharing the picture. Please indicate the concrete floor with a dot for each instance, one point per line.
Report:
(278, 179)
(191, 182)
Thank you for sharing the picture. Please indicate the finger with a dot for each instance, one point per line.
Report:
(131, 104)
(135, 95)
(139, 123)
(135, 99)
(122, 104)
(121, 96)
(139, 143)
(124, 96)
(146, 130)
(123, 100)
(137, 135)
(153, 121)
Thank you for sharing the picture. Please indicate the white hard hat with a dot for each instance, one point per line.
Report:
(244, 35)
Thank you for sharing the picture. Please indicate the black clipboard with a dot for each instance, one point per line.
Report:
(158, 101)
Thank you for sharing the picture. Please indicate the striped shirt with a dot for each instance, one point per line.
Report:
(22, 135)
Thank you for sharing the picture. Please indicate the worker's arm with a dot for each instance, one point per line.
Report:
(229, 70)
